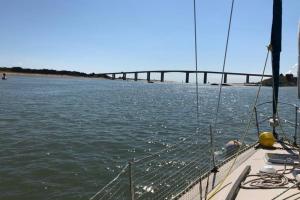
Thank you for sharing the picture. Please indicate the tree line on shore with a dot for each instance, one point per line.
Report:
(284, 80)
(51, 72)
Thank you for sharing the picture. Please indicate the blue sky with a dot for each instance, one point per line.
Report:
(110, 35)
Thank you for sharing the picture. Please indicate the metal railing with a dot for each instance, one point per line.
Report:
(165, 174)
(287, 123)
(168, 173)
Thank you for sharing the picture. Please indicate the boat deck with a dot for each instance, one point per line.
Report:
(256, 159)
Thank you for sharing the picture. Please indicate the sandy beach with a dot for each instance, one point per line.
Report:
(8, 74)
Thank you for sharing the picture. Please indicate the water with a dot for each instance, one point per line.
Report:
(65, 138)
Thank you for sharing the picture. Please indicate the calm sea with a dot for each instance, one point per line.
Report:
(65, 138)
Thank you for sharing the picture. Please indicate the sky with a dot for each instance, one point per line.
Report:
(127, 35)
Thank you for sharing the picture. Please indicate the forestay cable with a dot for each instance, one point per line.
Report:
(217, 189)
(224, 63)
(196, 66)
(196, 60)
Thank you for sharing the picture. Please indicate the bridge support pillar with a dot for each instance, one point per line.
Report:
(162, 76)
(225, 78)
(247, 78)
(135, 76)
(113, 76)
(187, 77)
(124, 76)
(205, 78)
(148, 76)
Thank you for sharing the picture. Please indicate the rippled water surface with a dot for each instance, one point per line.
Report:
(65, 138)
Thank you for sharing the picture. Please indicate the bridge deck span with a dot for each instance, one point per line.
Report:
(187, 72)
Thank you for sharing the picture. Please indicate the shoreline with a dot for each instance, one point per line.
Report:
(8, 74)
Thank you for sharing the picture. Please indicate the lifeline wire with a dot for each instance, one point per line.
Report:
(122, 171)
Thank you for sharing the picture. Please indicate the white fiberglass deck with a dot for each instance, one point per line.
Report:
(256, 159)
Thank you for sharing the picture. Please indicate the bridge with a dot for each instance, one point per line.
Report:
(187, 74)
